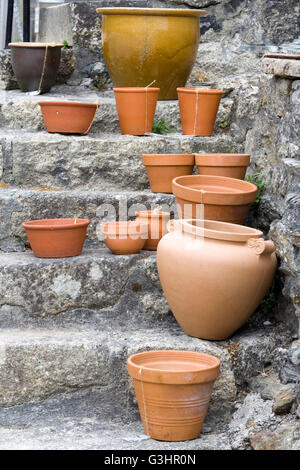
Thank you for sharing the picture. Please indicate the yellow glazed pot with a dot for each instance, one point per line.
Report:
(145, 44)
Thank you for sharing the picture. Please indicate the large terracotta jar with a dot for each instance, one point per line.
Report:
(214, 275)
(145, 44)
(213, 197)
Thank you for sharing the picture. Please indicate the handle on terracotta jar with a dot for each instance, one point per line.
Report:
(261, 246)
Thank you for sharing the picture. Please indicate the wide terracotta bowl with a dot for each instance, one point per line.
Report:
(213, 197)
(68, 117)
(56, 238)
(35, 64)
(163, 168)
(231, 165)
(125, 237)
(173, 390)
(145, 44)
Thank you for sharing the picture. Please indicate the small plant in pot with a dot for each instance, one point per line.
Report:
(35, 65)
(68, 117)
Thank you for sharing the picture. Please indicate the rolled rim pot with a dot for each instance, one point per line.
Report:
(173, 390)
(157, 226)
(198, 110)
(213, 197)
(163, 168)
(214, 275)
(231, 165)
(136, 109)
(125, 237)
(68, 117)
(35, 65)
(56, 238)
(145, 44)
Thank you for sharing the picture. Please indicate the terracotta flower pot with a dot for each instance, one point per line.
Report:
(35, 65)
(173, 390)
(68, 117)
(162, 168)
(136, 109)
(221, 198)
(232, 165)
(198, 110)
(56, 238)
(157, 225)
(214, 275)
(145, 44)
(125, 238)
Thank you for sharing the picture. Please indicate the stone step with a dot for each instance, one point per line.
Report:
(99, 163)
(18, 205)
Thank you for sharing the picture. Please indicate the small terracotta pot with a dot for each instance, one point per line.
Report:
(56, 238)
(125, 238)
(157, 225)
(198, 110)
(162, 168)
(136, 109)
(220, 198)
(232, 165)
(68, 117)
(35, 64)
(173, 390)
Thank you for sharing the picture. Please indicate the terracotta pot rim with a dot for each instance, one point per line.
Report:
(35, 44)
(207, 370)
(55, 224)
(238, 192)
(217, 230)
(124, 227)
(200, 91)
(151, 11)
(168, 159)
(135, 89)
(152, 214)
(69, 103)
(222, 159)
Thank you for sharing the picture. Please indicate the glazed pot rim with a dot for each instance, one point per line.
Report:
(152, 11)
(207, 370)
(168, 159)
(136, 89)
(239, 192)
(35, 44)
(222, 159)
(55, 224)
(216, 230)
(200, 91)
(68, 103)
(153, 214)
(124, 227)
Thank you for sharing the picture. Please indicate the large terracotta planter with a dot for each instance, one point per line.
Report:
(162, 168)
(35, 65)
(125, 238)
(214, 275)
(68, 117)
(221, 198)
(56, 238)
(145, 44)
(136, 109)
(232, 165)
(157, 226)
(198, 110)
(173, 390)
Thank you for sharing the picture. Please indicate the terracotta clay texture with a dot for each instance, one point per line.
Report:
(157, 222)
(68, 117)
(213, 198)
(125, 238)
(136, 109)
(173, 390)
(232, 165)
(214, 275)
(145, 44)
(162, 168)
(35, 65)
(198, 110)
(56, 238)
